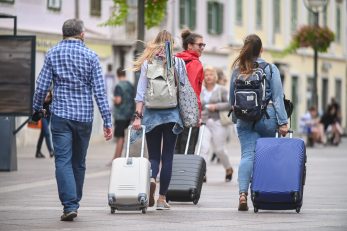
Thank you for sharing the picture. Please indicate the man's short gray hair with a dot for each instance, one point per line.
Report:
(73, 27)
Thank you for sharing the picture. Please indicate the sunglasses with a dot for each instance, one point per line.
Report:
(201, 45)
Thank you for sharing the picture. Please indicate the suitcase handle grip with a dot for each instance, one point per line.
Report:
(289, 131)
(143, 128)
(200, 139)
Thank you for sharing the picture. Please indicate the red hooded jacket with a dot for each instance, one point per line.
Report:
(194, 70)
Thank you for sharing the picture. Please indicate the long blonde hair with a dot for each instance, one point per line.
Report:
(152, 48)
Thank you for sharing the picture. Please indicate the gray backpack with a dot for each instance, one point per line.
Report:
(161, 87)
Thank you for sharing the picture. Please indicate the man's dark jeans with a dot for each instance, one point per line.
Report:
(70, 141)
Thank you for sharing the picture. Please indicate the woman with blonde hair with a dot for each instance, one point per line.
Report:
(162, 125)
(275, 117)
(214, 99)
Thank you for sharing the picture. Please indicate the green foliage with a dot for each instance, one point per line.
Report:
(119, 15)
(316, 37)
(154, 13)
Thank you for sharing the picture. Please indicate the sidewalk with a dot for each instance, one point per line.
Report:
(29, 199)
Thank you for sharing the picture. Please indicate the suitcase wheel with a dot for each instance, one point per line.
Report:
(255, 209)
(113, 210)
(297, 210)
(144, 210)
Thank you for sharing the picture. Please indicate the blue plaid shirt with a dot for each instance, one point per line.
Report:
(76, 74)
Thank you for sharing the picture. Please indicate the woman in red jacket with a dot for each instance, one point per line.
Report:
(193, 45)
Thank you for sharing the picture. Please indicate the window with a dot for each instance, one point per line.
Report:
(310, 19)
(188, 14)
(295, 100)
(309, 94)
(215, 18)
(95, 7)
(54, 5)
(239, 12)
(7, 1)
(259, 14)
(325, 96)
(325, 15)
(294, 15)
(338, 90)
(338, 23)
(277, 16)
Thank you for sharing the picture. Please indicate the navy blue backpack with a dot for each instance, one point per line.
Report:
(250, 102)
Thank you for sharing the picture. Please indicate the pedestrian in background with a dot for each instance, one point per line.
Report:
(123, 110)
(193, 45)
(76, 75)
(162, 125)
(45, 132)
(214, 99)
(109, 84)
(249, 131)
(311, 127)
(331, 124)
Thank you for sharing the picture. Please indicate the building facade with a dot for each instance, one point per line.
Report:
(44, 19)
(225, 23)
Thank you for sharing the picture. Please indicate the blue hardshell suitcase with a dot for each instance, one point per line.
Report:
(279, 173)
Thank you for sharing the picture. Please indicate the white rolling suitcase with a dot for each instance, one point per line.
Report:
(130, 180)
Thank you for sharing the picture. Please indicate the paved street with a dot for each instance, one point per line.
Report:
(29, 200)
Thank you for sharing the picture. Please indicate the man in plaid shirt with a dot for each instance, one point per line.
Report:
(75, 72)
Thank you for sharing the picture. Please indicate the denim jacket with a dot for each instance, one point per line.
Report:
(155, 117)
(274, 91)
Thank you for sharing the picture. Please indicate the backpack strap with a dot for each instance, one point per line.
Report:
(263, 66)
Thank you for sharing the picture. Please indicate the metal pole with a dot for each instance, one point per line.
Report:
(315, 67)
(140, 34)
(15, 26)
(77, 9)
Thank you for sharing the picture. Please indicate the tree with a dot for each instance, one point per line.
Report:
(154, 13)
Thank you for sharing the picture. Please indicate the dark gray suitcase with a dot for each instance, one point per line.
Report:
(188, 172)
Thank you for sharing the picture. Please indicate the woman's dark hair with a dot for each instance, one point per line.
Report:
(188, 37)
(249, 52)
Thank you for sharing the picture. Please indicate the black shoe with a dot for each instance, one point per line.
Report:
(214, 156)
(68, 216)
(51, 154)
(229, 175)
(39, 155)
(205, 179)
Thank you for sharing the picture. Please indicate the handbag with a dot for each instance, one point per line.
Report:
(223, 115)
(35, 125)
(289, 106)
(187, 100)
(224, 118)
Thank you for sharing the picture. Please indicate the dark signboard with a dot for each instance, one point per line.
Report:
(17, 75)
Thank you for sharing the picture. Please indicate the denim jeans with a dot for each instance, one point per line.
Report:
(248, 135)
(70, 141)
(45, 133)
(161, 152)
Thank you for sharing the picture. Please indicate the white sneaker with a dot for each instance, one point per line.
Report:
(162, 205)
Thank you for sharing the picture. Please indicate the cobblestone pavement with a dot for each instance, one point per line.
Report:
(29, 200)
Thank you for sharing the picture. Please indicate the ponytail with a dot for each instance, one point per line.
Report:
(249, 52)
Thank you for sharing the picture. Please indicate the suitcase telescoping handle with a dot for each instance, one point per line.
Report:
(289, 131)
(143, 129)
(202, 128)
